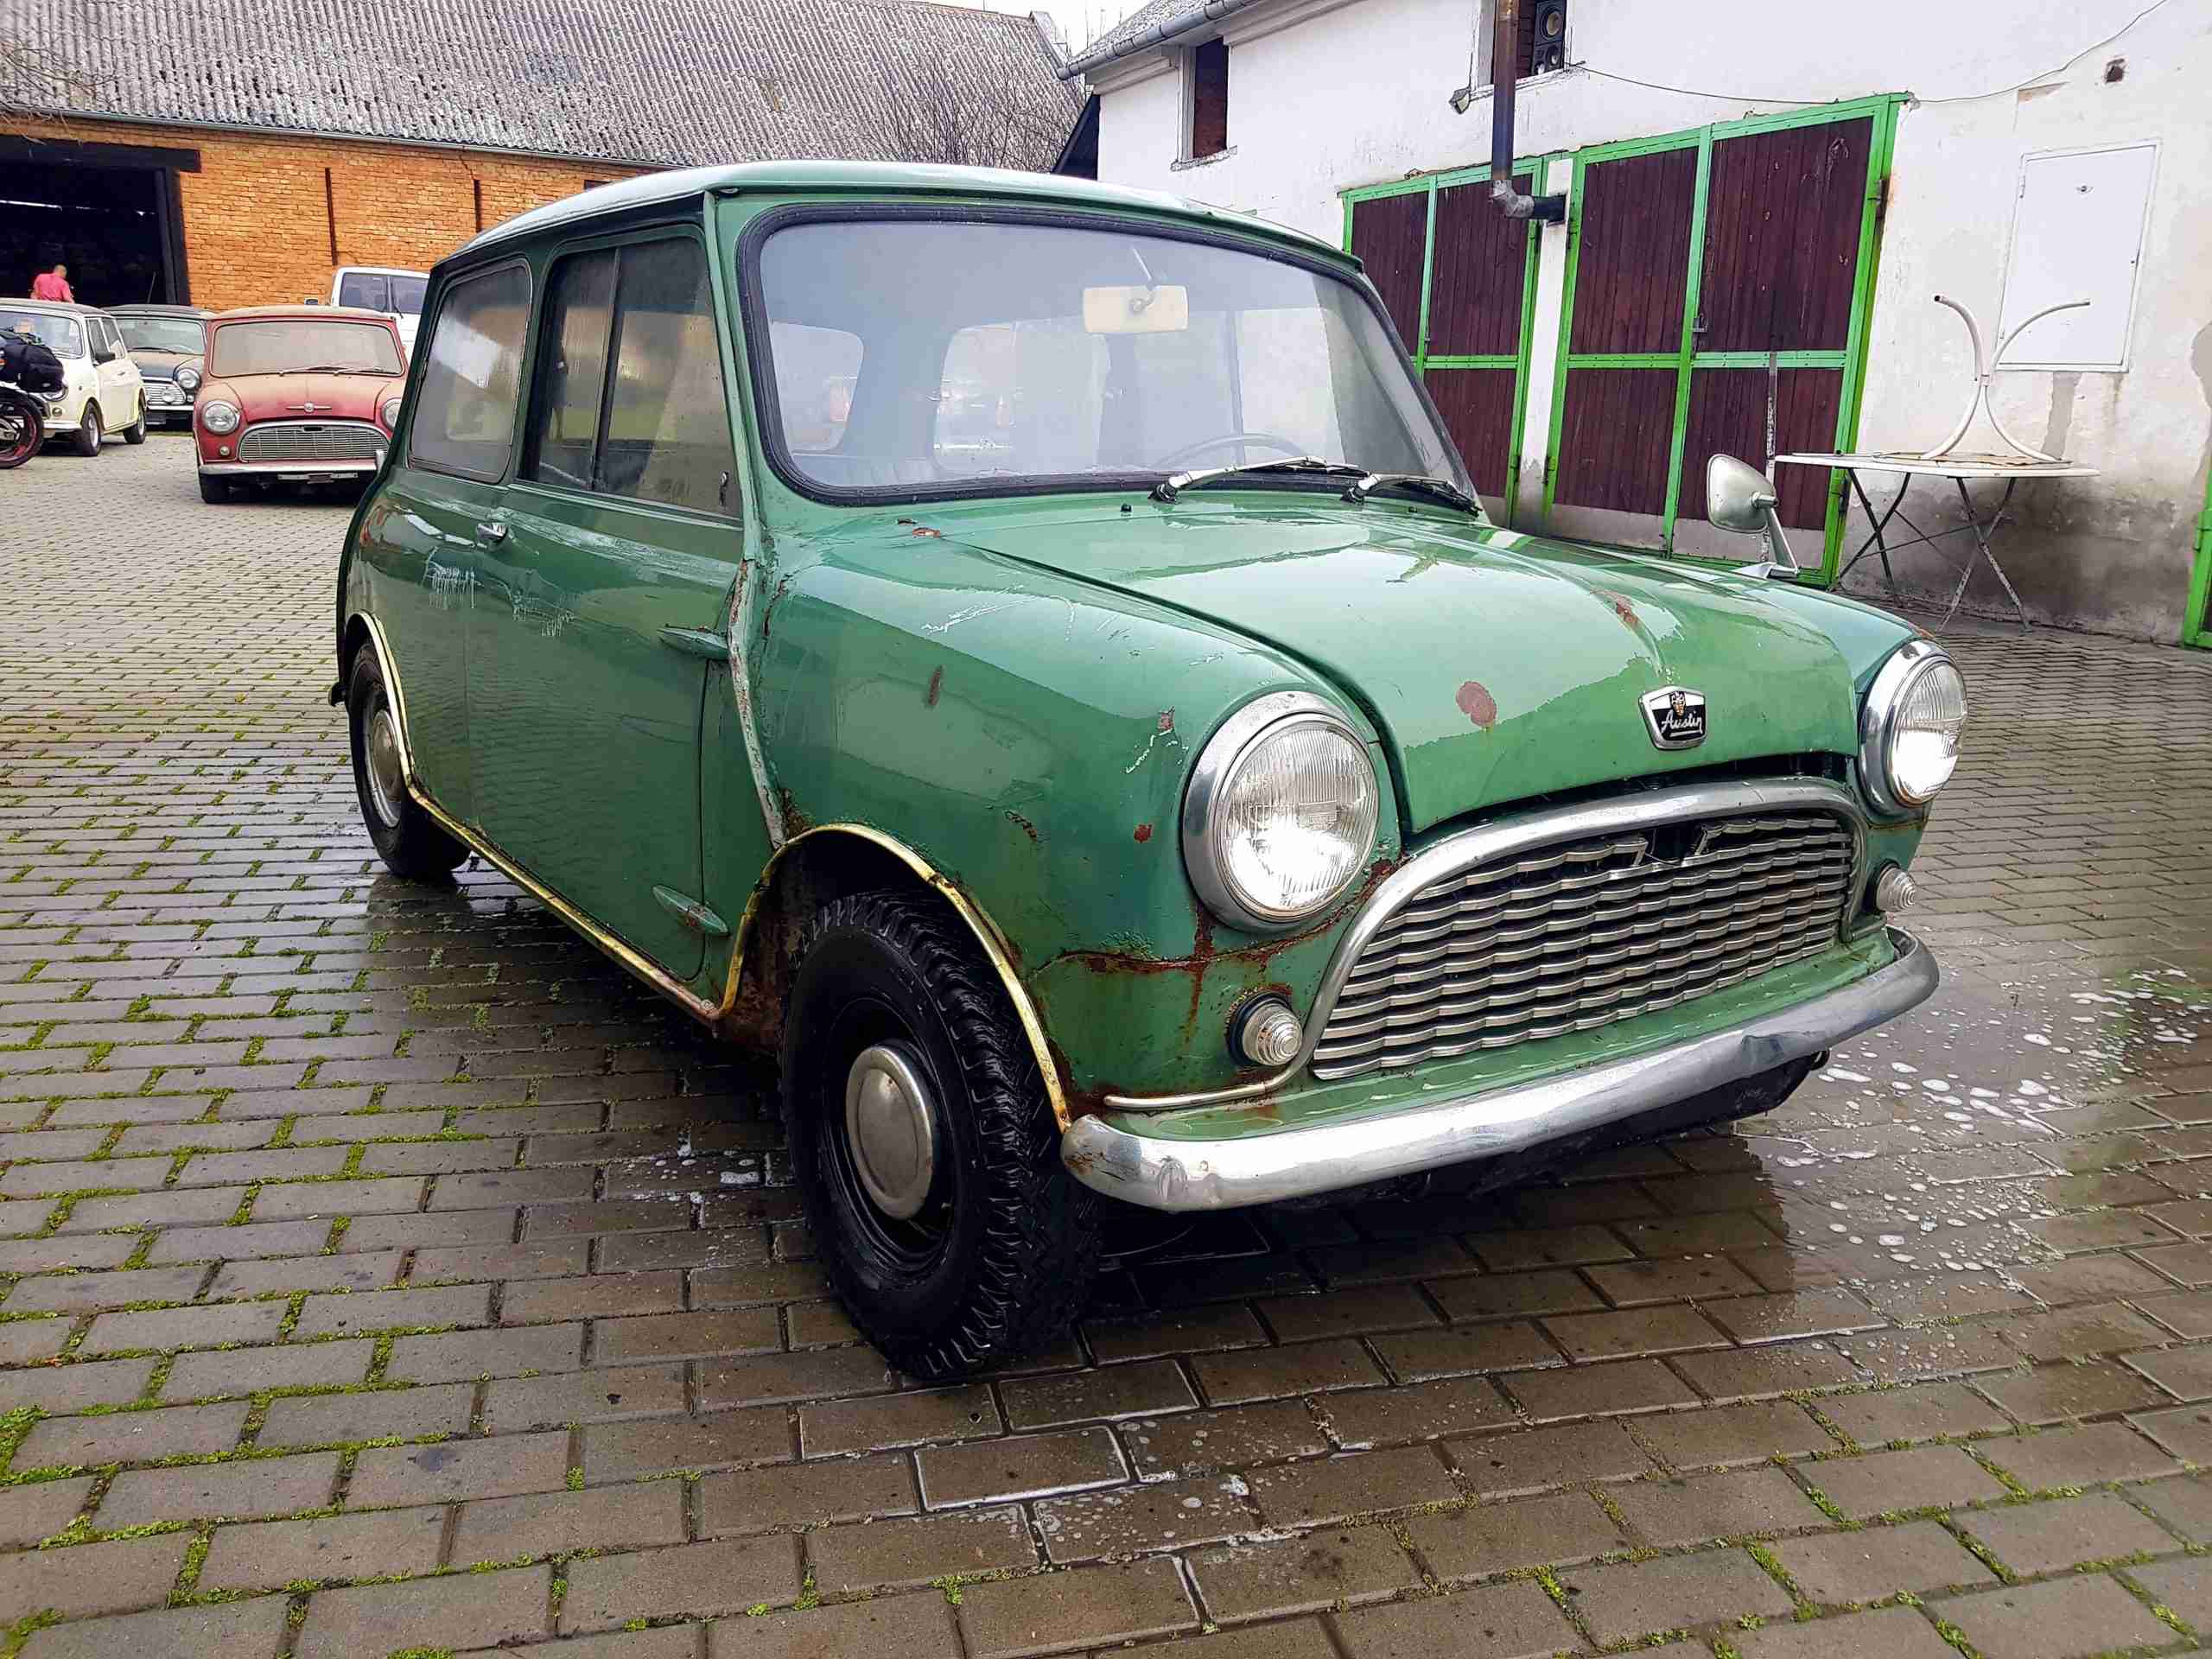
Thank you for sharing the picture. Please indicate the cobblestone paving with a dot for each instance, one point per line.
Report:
(382, 1272)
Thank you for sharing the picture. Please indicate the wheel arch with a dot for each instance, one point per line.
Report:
(828, 862)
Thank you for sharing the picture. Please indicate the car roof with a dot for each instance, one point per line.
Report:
(264, 313)
(56, 307)
(883, 178)
(159, 311)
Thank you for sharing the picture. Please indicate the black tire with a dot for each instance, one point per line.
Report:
(214, 491)
(87, 439)
(411, 841)
(1000, 1258)
(135, 432)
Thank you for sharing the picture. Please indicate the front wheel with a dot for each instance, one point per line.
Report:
(411, 841)
(135, 432)
(214, 491)
(924, 1146)
(87, 439)
(22, 430)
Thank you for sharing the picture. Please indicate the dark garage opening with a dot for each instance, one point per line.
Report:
(110, 213)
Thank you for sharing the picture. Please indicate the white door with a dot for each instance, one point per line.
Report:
(119, 378)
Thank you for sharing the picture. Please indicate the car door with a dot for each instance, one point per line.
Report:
(119, 375)
(593, 640)
(440, 507)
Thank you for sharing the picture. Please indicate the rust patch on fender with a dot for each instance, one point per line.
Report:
(1477, 704)
(936, 684)
(1204, 954)
(1144, 832)
(1027, 828)
(924, 529)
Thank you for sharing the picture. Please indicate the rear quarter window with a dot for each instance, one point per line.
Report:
(464, 417)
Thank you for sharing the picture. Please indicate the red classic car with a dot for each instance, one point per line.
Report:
(296, 394)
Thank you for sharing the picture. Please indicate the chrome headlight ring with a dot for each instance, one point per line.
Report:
(387, 412)
(188, 379)
(1209, 858)
(1888, 715)
(219, 418)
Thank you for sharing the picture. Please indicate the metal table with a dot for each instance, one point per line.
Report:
(1960, 469)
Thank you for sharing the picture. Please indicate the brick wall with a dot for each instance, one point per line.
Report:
(258, 227)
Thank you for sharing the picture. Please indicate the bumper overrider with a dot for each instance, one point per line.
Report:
(1164, 1172)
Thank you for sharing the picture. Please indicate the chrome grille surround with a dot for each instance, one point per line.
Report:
(1527, 837)
(310, 441)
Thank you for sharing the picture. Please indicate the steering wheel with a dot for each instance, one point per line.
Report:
(1191, 451)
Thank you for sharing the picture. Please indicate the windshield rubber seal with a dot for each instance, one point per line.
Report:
(760, 367)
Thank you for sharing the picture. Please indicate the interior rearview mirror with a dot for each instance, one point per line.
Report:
(1738, 497)
(1157, 310)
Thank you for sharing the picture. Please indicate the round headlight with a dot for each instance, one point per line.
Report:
(1909, 731)
(1281, 813)
(389, 413)
(188, 379)
(219, 416)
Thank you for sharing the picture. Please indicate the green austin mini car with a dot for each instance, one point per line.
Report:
(1029, 654)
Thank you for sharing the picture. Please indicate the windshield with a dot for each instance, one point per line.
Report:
(286, 345)
(181, 335)
(383, 290)
(1018, 351)
(65, 334)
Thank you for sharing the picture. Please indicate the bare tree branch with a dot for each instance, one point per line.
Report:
(35, 88)
(934, 114)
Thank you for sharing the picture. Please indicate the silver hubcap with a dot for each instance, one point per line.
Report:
(889, 1126)
(385, 789)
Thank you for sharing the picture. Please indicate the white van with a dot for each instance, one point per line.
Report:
(381, 288)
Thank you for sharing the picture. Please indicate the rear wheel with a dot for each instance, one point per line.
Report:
(135, 432)
(409, 841)
(924, 1146)
(87, 439)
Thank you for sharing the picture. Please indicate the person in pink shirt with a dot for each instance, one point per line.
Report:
(53, 285)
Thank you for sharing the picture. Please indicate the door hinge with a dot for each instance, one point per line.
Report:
(693, 914)
(697, 642)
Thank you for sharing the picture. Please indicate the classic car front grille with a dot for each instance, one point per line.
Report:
(311, 440)
(1582, 933)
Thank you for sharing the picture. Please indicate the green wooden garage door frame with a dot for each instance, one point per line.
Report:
(2197, 620)
(1430, 184)
(1851, 360)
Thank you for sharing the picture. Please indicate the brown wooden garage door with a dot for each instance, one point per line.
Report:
(1714, 277)
(1455, 275)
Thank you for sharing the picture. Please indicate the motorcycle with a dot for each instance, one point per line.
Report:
(23, 427)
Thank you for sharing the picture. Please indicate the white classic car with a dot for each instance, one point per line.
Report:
(104, 392)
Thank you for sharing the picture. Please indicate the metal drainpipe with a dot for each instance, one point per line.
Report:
(1504, 39)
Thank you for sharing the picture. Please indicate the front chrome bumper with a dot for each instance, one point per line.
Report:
(1158, 1173)
(360, 469)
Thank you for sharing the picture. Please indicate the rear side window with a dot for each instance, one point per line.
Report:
(572, 371)
(632, 403)
(464, 415)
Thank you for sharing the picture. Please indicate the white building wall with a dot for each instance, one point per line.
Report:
(1325, 95)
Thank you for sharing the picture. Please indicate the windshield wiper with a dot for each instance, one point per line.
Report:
(1173, 486)
(332, 368)
(1442, 488)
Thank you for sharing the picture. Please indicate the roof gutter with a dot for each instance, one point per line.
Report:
(1161, 33)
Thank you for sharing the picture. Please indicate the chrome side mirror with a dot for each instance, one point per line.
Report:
(1738, 497)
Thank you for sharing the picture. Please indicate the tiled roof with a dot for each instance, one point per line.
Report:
(659, 81)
